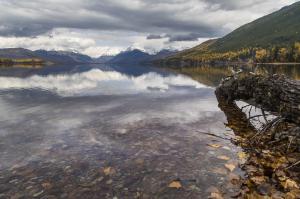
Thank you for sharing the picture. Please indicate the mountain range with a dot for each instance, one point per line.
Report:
(272, 38)
(133, 56)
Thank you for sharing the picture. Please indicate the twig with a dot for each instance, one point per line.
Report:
(274, 142)
(269, 125)
(245, 106)
(272, 124)
(249, 113)
(295, 164)
(252, 117)
(264, 114)
(211, 134)
(289, 146)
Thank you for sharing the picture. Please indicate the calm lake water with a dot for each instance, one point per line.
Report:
(115, 132)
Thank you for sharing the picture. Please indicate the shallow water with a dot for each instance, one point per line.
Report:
(111, 132)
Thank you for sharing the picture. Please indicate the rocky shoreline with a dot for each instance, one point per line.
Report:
(272, 152)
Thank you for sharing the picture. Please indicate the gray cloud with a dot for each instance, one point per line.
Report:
(187, 37)
(19, 30)
(90, 26)
(176, 37)
(153, 36)
(35, 17)
(232, 4)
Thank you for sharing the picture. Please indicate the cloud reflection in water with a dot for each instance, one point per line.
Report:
(98, 82)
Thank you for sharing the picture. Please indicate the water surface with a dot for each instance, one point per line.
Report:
(113, 132)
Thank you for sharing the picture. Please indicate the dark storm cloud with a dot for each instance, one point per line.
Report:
(20, 30)
(150, 37)
(187, 37)
(189, 19)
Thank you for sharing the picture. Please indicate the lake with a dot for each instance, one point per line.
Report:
(97, 131)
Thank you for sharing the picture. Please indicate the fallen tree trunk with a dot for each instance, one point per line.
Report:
(274, 93)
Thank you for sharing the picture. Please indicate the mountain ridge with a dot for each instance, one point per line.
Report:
(277, 27)
(272, 38)
(130, 56)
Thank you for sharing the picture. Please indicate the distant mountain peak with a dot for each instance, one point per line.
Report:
(137, 56)
(130, 49)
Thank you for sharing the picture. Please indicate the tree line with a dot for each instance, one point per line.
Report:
(10, 62)
(271, 54)
(278, 54)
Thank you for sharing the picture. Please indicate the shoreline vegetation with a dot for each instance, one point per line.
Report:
(291, 63)
(203, 54)
(7, 63)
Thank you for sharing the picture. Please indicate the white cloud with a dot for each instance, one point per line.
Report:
(62, 39)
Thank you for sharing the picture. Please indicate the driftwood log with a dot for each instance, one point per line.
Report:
(276, 94)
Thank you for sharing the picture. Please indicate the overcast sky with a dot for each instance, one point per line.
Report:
(97, 27)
